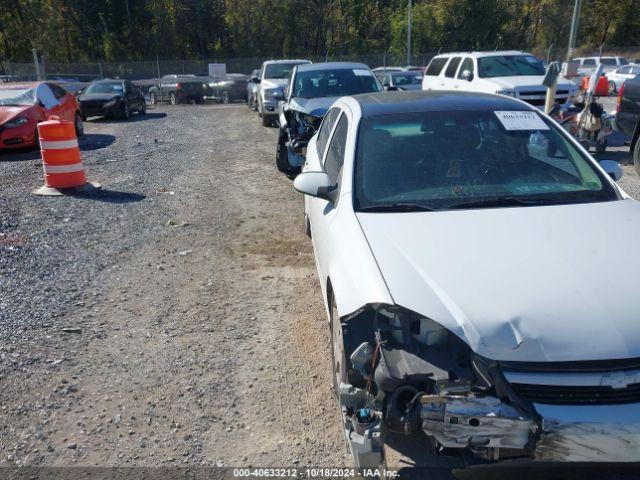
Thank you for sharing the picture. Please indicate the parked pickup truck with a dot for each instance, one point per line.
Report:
(178, 89)
(628, 115)
(512, 73)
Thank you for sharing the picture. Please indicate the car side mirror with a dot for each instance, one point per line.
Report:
(316, 184)
(466, 75)
(613, 169)
(390, 88)
(255, 80)
(279, 96)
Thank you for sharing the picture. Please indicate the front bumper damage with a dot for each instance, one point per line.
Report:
(411, 379)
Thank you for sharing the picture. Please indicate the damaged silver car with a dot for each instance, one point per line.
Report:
(468, 254)
(312, 90)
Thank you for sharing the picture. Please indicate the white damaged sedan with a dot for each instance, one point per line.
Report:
(469, 253)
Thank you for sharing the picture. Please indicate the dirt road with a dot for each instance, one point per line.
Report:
(174, 318)
(192, 331)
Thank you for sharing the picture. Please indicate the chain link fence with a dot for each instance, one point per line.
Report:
(146, 70)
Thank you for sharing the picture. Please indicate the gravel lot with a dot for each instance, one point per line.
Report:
(174, 317)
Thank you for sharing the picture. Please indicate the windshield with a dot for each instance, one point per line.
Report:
(443, 160)
(400, 79)
(105, 87)
(17, 96)
(335, 83)
(509, 66)
(278, 70)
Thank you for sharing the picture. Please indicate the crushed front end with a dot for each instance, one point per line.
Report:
(409, 375)
(297, 128)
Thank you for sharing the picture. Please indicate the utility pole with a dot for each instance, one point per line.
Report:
(575, 21)
(36, 62)
(409, 34)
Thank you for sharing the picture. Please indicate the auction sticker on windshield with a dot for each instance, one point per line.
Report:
(521, 121)
(362, 73)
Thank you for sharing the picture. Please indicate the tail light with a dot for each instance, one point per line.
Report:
(619, 102)
(178, 86)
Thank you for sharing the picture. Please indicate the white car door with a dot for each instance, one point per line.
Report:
(465, 75)
(431, 79)
(321, 211)
(447, 78)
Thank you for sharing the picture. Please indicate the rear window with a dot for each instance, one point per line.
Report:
(450, 72)
(435, 66)
(609, 61)
(589, 62)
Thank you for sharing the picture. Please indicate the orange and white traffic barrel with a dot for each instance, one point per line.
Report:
(63, 169)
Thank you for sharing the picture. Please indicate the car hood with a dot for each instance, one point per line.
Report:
(98, 96)
(8, 112)
(527, 81)
(536, 284)
(411, 87)
(312, 106)
(274, 82)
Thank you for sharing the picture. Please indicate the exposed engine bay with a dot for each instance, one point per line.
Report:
(294, 137)
(415, 376)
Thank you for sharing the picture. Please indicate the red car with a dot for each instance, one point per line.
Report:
(23, 105)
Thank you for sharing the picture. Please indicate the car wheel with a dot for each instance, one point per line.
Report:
(338, 356)
(126, 111)
(612, 88)
(601, 146)
(172, 99)
(79, 124)
(36, 140)
(225, 97)
(143, 108)
(152, 98)
(307, 225)
(636, 157)
(266, 120)
(282, 157)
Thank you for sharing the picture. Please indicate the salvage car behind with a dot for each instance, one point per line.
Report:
(312, 90)
(24, 105)
(112, 98)
(462, 243)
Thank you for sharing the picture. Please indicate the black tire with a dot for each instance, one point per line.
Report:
(152, 99)
(267, 120)
(79, 125)
(143, 108)
(636, 157)
(601, 146)
(172, 99)
(612, 88)
(126, 111)
(338, 356)
(225, 97)
(307, 225)
(282, 156)
(36, 140)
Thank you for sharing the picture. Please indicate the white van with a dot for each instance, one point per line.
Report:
(512, 73)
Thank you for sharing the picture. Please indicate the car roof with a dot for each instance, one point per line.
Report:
(386, 103)
(109, 80)
(484, 54)
(293, 60)
(20, 85)
(312, 67)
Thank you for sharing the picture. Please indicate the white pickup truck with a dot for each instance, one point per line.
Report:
(512, 73)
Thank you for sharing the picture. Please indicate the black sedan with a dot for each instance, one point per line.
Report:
(112, 98)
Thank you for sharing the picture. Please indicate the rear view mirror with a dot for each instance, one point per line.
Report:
(316, 184)
(279, 96)
(391, 88)
(613, 169)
